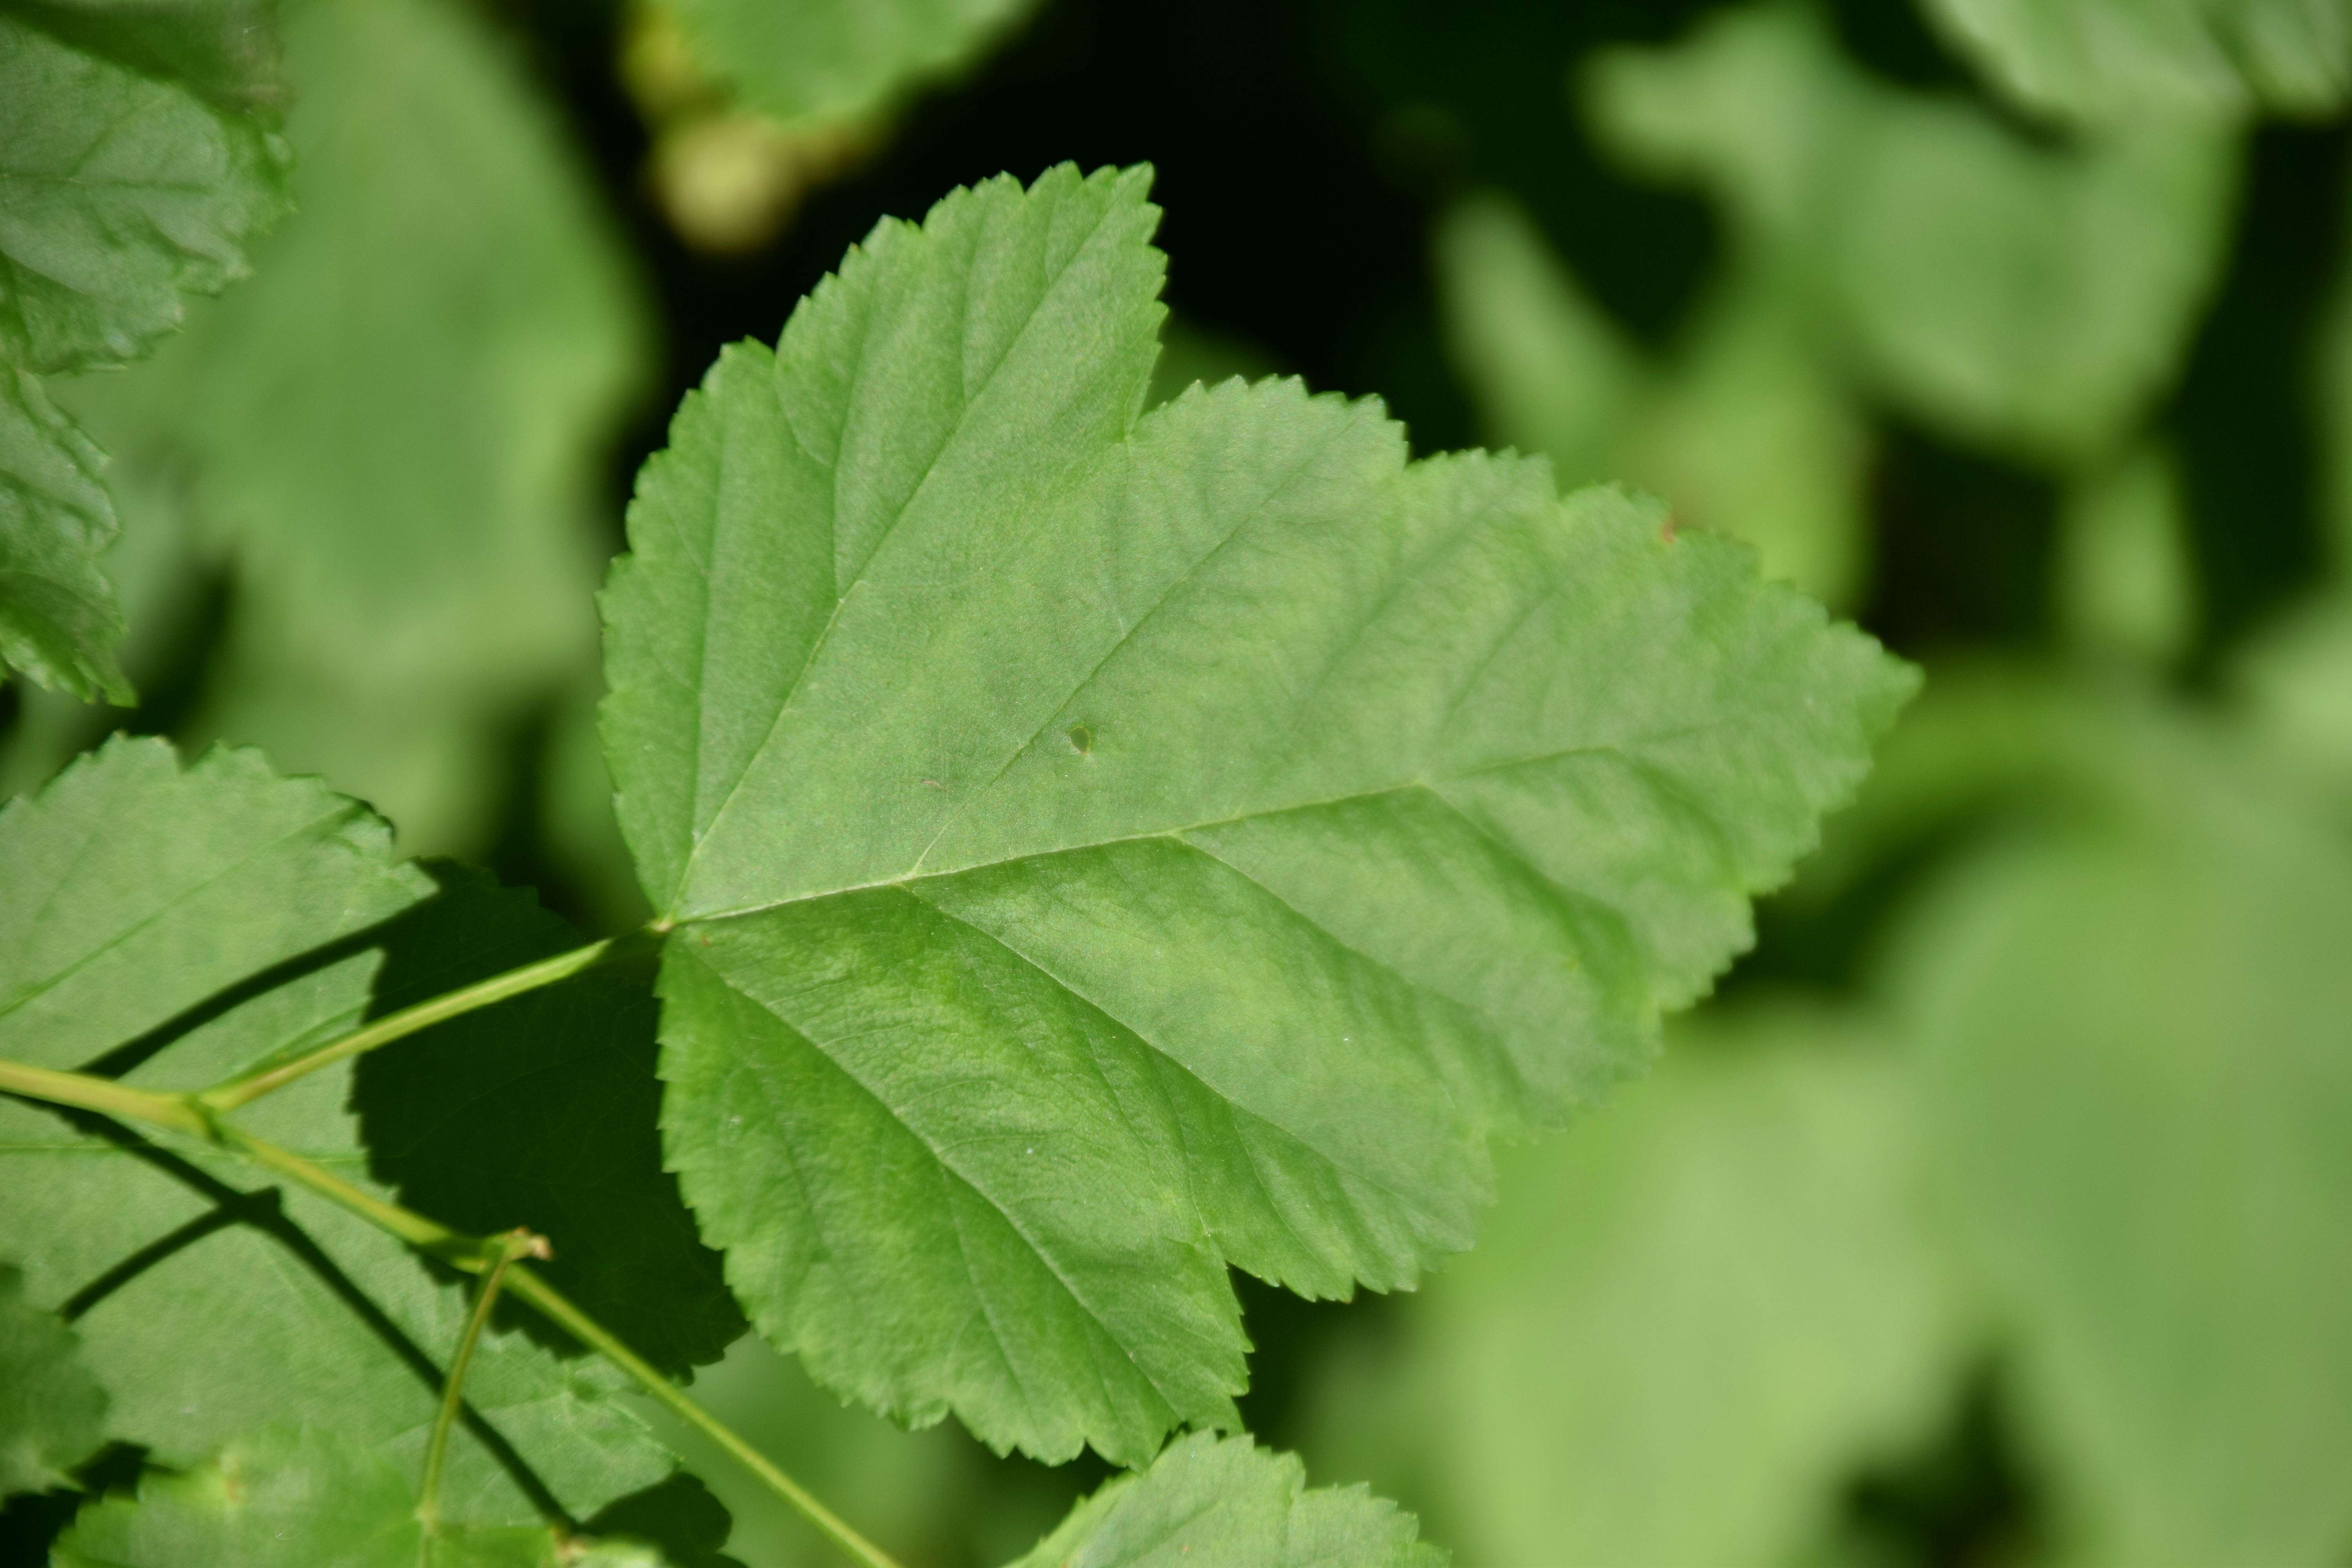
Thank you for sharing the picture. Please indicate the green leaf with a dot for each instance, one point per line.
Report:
(835, 59)
(1110, 847)
(2115, 60)
(173, 927)
(2131, 1027)
(2127, 585)
(424, 520)
(1694, 1319)
(1746, 428)
(301, 1498)
(58, 621)
(120, 189)
(2031, 298)
(540, 1111)
(1211, 1501)
(420, 540)
(52, 1411)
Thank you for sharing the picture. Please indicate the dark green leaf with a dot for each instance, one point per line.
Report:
(59, 622)
(1110, 847)
(119, 192)
(52, 1411)
(541, 1111)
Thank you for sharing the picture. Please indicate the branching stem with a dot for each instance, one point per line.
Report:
(240, 1092)
(198, 1116)
(507, 1248)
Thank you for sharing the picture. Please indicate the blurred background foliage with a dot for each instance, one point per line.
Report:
(1998, 1208)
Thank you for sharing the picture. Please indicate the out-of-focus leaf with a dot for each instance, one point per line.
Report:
(58, 619)
(1106, 847)
(2032, 297)
(2295, 682)
(52, 1411)
(1551, 373)
(2132, 1031)
(173, 927)
(305, 1497)
(1745, 430)
(2126, 585)
(921, 1496)
(1692, 1319)
(2121, 59)
(1210, 1501)
(541, 1111)
(120, 189)
(839, 59)
(397, 423)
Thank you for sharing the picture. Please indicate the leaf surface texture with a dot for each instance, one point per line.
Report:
(1207, 1499)
(171, 927)
(52, 1411)
(1107, 845)
(301, 1498)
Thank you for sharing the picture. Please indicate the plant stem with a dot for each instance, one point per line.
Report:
(241, 1091)
(507, 1248)
(101, 1094)
(188, 1113)
(594, 1335)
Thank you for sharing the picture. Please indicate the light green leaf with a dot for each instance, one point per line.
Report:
(2127, 584)
(1227, 1501)
(837, 59)
(52, 1411)
(1691, 1320)
(2115, 60)
(2031, 298)
(1745, 429)
(306, 1497)
(423, 521)
(2132, 1032)
(1551, 373)
(1110, 847)
(2295, 680)
(171, 927)
(120, 188)
(58, 621)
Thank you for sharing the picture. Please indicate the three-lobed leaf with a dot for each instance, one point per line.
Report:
(1103, 846)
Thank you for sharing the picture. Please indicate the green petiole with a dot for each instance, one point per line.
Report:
(198, 1116)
